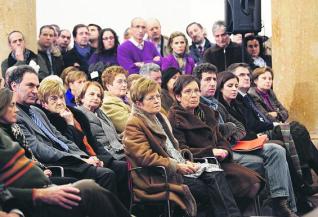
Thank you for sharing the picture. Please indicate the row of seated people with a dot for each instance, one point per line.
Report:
(101, 47)
(90, 146)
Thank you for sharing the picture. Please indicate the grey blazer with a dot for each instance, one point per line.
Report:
(261, 105)
(43, 148)
(104, 131)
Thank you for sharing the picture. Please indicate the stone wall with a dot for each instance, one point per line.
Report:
(17, 15)
(295, 58)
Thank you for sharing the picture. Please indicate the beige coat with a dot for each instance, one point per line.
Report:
(144, 146)
(116, 110)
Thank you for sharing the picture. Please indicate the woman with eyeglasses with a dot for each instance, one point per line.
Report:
(195, 127)
(149, 141)
(107, 48)
(115, 102)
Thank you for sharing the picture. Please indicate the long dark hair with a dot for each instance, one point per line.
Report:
(222, 78)
(101, 49)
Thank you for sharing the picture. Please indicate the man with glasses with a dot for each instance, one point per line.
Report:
(135, 52)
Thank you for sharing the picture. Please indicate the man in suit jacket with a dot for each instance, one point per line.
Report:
(48, 145)
(200, 43)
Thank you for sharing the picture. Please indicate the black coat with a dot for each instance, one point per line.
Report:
(71, 133)
(221, 57)
(72, 56)
(242, 112)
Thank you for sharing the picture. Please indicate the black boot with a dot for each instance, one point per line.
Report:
(281, 209)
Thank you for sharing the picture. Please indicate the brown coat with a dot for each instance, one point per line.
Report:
(201, 137)
(144, 146)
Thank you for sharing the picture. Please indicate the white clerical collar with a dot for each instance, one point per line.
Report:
(139, 45)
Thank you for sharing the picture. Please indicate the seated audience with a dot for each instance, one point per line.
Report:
(89, 102)
(115, 104)
(168, 79)
(195, 127)
(74, 80)
(179, 58)
(74, 125)
(255, 49)
(273, 155)
(135, 51)
(151, 71)
(149, 142)
(19, 54)
(267, 103)
(47, 144)
(34, 195)
(106, 51)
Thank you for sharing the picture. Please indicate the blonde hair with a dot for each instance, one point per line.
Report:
(74, 75)
(66, 71)
(109, 74)
(82, 93)
(174, 35)
(141, 87)
(48, 88)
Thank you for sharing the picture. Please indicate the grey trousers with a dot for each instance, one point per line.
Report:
(270, 161)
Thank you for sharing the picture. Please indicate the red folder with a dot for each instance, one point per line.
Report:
(250, 145)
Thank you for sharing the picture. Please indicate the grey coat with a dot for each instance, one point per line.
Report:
(104, 131)
(261, 105)
(43, 148)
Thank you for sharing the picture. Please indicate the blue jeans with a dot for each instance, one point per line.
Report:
(276, 169)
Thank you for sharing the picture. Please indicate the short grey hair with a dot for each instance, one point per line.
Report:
(218, 24)
(149, 67)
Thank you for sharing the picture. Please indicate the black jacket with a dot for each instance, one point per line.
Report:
(71, 133)
(72, 56)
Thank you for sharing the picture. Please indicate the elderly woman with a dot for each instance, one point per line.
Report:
(149, 142)
(178, 45)
(195, 127)
(169, 77)
(115, 103)
(74, 81)
(266, 101)
(75, 126)
(89, 102)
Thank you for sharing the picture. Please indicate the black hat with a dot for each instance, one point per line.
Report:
(167, 75)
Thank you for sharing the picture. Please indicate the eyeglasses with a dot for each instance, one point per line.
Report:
(121, 81)
(110, 38)
(153, 98)
(190, 92)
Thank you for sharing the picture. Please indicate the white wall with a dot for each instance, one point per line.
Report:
(173, 14)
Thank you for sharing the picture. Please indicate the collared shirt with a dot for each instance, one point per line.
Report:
(201, 44)
(139, 45)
